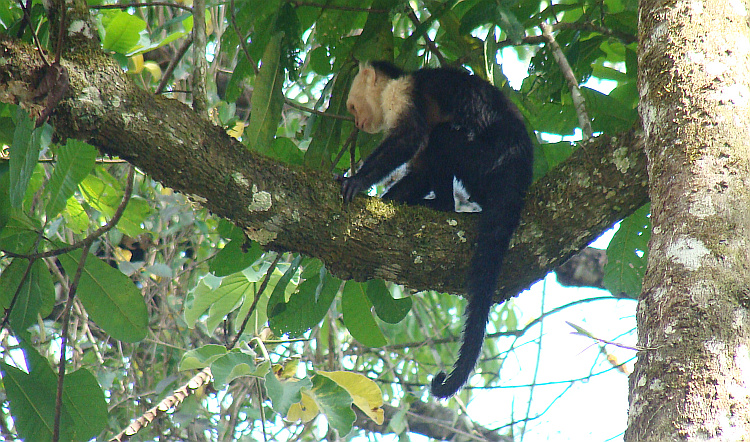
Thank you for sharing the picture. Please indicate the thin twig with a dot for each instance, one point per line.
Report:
(298, 106)
(173, 64)
(143, 5)
(262, 288)
(64, 340)
(241, 38)
(339, 8)
(430, 44)
(578, 102)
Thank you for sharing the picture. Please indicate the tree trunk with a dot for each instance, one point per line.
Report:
(691, 378)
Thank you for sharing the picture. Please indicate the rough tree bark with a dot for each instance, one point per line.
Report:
(692, 378)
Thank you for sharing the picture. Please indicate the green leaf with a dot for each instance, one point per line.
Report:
(105, 195)
(83, 400)
(201, 357)
(32, 401)
(234, 257)
(74, 161)
(5, 208)
(19, 234)
(284, 394)
(234, 364)
(75, 216)
(386, 307)
(610, 115)
(122, 32)
(228, 297)
(277, 300)
(355, 306)
(37, 294)
(267, 99)
(335, 402)
(308, 305)
(326, 136)
(24, 154)
(111, 299)
(627, 255)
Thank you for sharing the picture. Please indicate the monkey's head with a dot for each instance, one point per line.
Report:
(365, 99)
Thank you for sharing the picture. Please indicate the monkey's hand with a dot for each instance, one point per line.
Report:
(350, 186)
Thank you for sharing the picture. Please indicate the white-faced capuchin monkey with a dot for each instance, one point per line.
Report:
(452, 142)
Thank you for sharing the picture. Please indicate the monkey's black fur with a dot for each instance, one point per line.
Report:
(458, 127)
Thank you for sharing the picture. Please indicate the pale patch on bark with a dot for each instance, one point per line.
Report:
(688, 252)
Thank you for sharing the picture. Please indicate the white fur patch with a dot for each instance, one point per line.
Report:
(461, 197)
(395, 176)
(396, 100)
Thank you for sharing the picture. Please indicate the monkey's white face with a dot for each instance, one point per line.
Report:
(365, 101)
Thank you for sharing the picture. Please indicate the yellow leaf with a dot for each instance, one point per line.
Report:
(306, 409)
(288, 371)
(122, 255)
(364, 391)
(153, 69)
(236, 130)
(135, 66)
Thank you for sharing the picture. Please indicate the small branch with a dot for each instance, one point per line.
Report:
(173, 64)
(241, 38)
(143, 5)
(199, 380)
(430, 44)
(64, 341)
(338, 8)
(260, 291)
(27, 18)
(578, 102)
(200, 64)
(298, 106)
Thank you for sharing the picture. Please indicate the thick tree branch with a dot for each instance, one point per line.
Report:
(288, 208)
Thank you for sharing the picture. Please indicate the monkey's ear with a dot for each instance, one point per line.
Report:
(368, 74)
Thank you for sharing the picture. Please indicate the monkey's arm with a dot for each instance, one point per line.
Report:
(399, 146)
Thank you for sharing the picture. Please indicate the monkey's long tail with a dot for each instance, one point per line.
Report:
(497, 223)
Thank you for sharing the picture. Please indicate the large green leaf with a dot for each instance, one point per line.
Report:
(627, 254)
(386, 307)
(83, 400)
(122, 32)
(24, 154)
(284, 394)
(308, 305)
(201, 357)
(37, 294)
(32, 401)
(355, 306)
(229, 296)
(74, 161)
(111, 299)
(237, 362)
(335, 402)
(326, 136)
(219, 301)
(267, 99)
(5, 208)
(104, 193)
(234, 257)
